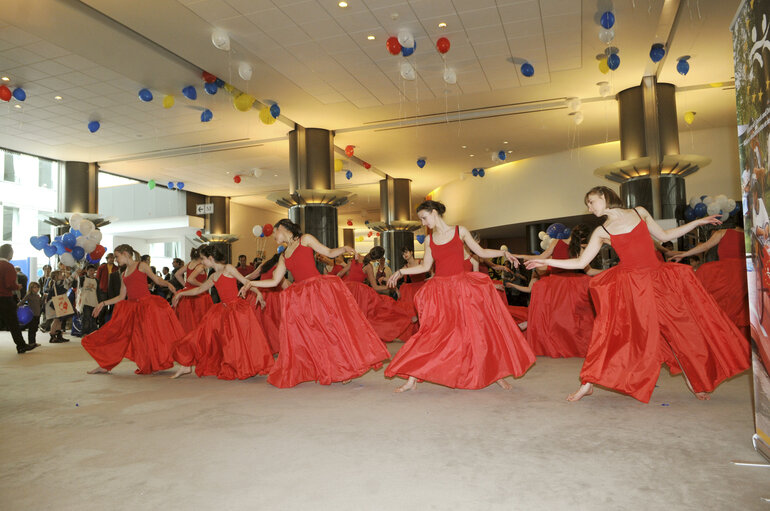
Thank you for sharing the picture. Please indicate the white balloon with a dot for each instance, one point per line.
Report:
(450, 76)
(96, 235)
(407, 71)
(574, 104)
(406, 38)
(605, 90)
(730, 205)
(544, 244)
(541, 235)
(81, 241)
(256, 230)
(578, 118)
(725, 216)
(244, 70)
(257, 172)
(694, 201)
(713, 208)
(606, 35)
(707, 201)
(494, 156)
(721, 197)
(89, 245)
(67, 259)
(86, 226)
(462, 176)
(220, 39)
(504, 248)
(75, 220)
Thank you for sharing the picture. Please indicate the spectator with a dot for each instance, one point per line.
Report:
(8, 286)
(244, 268)
(177, 264)
(23, 281)
(103, 278)
(165, 274)
(87, 300)
(35, 303)
(59, 286)
(46, 275)
(146, 259)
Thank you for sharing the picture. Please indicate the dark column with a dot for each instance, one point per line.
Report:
(533, 241)
(394, 242)
(80, 187)
(219, 221)
(320, 220)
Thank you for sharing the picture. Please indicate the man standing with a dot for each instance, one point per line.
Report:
(244, 268)
(22, 280)
(8, 286)
(177, 264)
(103, 278)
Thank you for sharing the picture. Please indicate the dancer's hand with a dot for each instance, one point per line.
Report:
(393, 280)
(176, 298)
(510, 257)
(97, 309)
(348, 250)
(535, 263)
(244, 290)
(712, 219)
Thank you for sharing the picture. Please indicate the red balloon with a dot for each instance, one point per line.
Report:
(97, 253)
(350, 222)
(267, 230)
(349, 151)
(394, 47)
(367, 166)
(370, 234)
(237, 179)
(5, 93)
(378, 234)
(208, 77)
(442, 45)
(199, 233)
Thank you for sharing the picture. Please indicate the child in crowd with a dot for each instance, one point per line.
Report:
(58, 286)
(35, 303)
(87, 300)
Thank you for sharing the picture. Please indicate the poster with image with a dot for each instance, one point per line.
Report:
(751, 52)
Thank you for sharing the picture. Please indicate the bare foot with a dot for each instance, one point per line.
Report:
(504, 384)
(346, 382)
(585, 390)
(703, 396)
(523, 325)
(414, 319)
(181, 372)
(99, 370)
(410, 384)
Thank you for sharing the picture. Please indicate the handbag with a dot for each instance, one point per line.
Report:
(61, 305)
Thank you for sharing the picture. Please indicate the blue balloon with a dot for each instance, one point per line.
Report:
(700, 210)
(170, 185)
(703, 197)
(60, 248)
(68, 240)
(38, 242)
(501, 156)
(613, 61)
(19, 94)
(682, 66)
(24, 315)
(689, 214)
(49, 250)
(420, 238)
(94, 126)
(262, 235)
(180, 185)
(206, 115)
(366, 222)
(537, 252)
(421, 163)
(608, 20)
(481, 172)
(75, 232)
(275, 111)
(657, 52)
(78, 253)
(475, 172)
(736, 209)
(219, 82)
(527, 69)
(190, 92)
(40, 272)
(408, 51)
(348, 174)
(280, 248)
(554, 230)
(145, 95)
(211, 88)
(57, 238)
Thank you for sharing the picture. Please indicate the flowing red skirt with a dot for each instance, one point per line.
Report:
(645, 317)
(406, 295)
(466, 340)
(227, 343)
(270, 316)
(389, 320)
(324, 336)
(561, 316)
(141, 330)
(726, 281)
(191, 309)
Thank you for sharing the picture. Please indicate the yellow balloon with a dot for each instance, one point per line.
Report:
(243, 102)
(265, 116)
(229, 88)
(168, 101)
(338, 165)
(603, 67)
(689, 117)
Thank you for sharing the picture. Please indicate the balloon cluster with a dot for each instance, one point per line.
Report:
(81, 242)
(573, 105)
(707, 205)
(18, 93)
(555, 231)
(262, 231)
(179, 185)
(478, 172)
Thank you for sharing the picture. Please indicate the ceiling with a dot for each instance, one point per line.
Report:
(314, 59)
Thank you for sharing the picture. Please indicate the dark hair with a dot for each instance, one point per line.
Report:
(214, 252)
(268, 265)
(6, 251)
(165, 268)
(407, 248)
(578, 237)
(195, 253)
(432, 205)
(145, 258)
(289, 226)
(609, 195)
(91, 267)
(376, 253)
(242, 255)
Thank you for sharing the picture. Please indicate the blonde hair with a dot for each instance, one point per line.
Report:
(128, 249)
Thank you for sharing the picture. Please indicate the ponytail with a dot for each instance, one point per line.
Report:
(128, 249)
(289, 226)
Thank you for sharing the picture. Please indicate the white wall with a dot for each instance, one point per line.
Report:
(554, 185)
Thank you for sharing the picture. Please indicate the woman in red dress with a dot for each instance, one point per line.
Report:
(192, 308)
(143, 327)
(324, 336)
(561, 316)
(412, 283)
(649, 313)
(270, 315)
(457, 345)
(228, 341)
(725, 279)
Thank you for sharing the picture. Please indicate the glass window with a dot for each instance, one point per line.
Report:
(45, 173)
(10, 220)
(43, 227)
(9, 173)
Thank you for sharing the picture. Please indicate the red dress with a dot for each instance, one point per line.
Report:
(408, 289)
(726, 279)
(648, 313)
(228, 341)
(191, 309)
(270, 316)
(336, 269)
(467, 339)
(356, 272)
(143, 328)
(560, 251)
(324, 336)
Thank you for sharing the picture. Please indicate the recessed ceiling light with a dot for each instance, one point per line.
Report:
(472, 155)
(509, 152)
(505, 142)
(370, 37)
(57, 98)
(276, 175)
(464, 146)
(442, 25)
(17, 106)
(6, 79)
(343, 4)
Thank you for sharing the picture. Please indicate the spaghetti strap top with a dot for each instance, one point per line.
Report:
(448, 257)
(301, 263)
(201, 277)
(732, 245)
(227, 288)
(136, 285)
(356, 273)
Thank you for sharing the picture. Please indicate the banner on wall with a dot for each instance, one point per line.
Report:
(751, 53)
